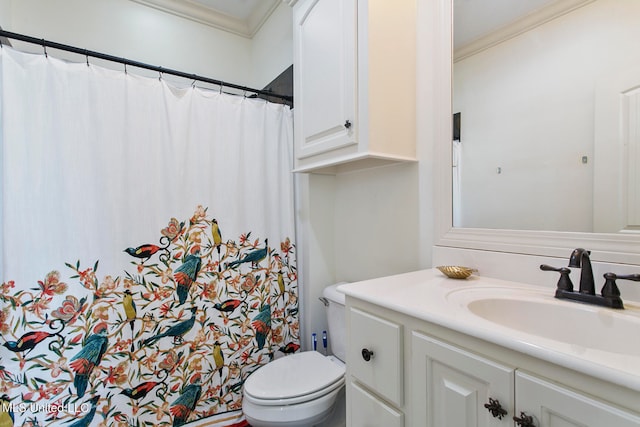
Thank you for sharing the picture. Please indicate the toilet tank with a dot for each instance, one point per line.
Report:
(336, 321)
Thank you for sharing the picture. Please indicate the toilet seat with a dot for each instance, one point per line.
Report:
(294, 379)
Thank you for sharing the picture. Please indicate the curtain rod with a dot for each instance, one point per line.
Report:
(111, 58)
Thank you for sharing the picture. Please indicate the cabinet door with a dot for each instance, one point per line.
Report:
(369, 411)
(324, 75)
(451, 386)
(553, 406)
(381, 370)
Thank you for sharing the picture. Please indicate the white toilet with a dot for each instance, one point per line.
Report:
(304, 389)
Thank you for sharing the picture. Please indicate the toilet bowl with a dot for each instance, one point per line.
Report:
(302, 389)
(294, 391)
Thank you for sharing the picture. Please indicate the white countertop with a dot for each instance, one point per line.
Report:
(429, 295)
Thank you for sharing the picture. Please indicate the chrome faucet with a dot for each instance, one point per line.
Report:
(580, 259)
(610, 294)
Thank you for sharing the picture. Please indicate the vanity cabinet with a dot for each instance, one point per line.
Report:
(370, 411)
(453, 386)
(375, 370)
(552, 405)
(354, 84)
(423, 374)
(466, 389)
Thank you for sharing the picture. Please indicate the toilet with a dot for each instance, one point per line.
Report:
(303, 389)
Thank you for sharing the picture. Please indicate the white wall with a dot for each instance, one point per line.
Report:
(355, 226)
(5, 13)
(315, 225)
(528, 108)
(272, 47)
(128, 29)
(376, 222)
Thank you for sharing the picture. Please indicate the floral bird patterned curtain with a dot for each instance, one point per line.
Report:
(148, 256)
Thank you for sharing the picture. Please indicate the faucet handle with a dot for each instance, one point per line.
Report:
(610, 289)
(634, 277)
(564, 283)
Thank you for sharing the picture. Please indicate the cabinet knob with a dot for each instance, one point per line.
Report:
(524, 420)
(347, 124)
(495, 408)
(367, 354)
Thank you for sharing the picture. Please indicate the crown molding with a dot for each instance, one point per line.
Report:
(518, 27)
(290, 2)
(204, 15)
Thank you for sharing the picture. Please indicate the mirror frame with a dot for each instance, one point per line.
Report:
(606, 247)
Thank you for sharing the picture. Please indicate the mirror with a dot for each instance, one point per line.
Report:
(547, 92)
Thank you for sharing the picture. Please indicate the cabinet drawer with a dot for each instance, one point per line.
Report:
(382, 372)
(367, 410)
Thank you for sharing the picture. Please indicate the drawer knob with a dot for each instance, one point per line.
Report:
(367, 354)
(495, 408)
(347, 124)
(524, 420)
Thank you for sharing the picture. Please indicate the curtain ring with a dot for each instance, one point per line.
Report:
(44, 47)
(86, 55)
(221, 86)
(160, 73)
(193, 85)
(125, 65)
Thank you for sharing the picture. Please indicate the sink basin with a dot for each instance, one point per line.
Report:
(582, 326)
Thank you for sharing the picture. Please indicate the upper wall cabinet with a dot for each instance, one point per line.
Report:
(354, 84)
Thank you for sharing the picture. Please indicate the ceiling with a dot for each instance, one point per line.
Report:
(240, 17)
(240, 9)
(473, 19)
(480, 24)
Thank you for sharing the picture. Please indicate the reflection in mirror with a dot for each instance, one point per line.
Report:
(550, 115)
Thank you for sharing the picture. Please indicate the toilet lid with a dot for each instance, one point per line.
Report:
(293, 376)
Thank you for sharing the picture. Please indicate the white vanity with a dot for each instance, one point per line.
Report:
(426, 350)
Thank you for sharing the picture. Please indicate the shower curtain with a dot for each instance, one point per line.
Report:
(148, 257)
